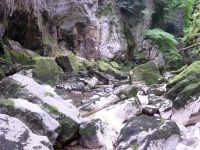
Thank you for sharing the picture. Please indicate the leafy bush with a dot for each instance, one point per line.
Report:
(166, 40)
(167, 43)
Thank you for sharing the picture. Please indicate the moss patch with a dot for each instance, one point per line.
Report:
(48, 94)
(13, 57)
(69, 62)
(7, 102)
(47, 70)
(52, 109)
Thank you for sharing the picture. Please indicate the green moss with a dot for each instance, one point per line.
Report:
(193, 69)
(74, 62)
(148, 73)
(107, 67)
(185, 96)
(12, 56)
(52, 109)
(20, 57)
(47, 70)
(48, 94)
(7, 102)
(185, 85)
(115, 65)
(135, 146)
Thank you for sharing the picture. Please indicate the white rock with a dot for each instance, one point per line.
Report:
(190, 139)
(47, 95)
(117, 114)
(14, 134)
(182, 115)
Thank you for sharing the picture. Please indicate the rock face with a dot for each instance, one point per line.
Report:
(16, 135)
(151, 52)
(144, 132)
(137, 16)
(91, 27)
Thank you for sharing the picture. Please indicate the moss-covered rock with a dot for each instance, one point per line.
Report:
(13, 56)
(69, 62)
(185, 85)
(110, 68)
(47, 70)
(151, 129)
(148, 73)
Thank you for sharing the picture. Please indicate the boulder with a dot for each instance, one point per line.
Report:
(47, 70)
(95, 134)
(117, 114)
(151, 52)
(38, 121)
(14, 45)
(147, 132)
(148, 73)
(163, 105)
(19, 86)
(14, 134)
(68, 62)
(188, 115)
(184, 87)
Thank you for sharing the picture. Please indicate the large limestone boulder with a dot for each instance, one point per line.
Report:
(14, 134)
(38, 121)
(117, 114)
(145, 132)
(148, 73)
(96, 134)
(19, 86)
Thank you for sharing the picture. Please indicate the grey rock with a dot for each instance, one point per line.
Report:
(95, 135)
(145, 132)
(14, 134)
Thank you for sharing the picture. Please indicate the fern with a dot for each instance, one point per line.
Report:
(168, 45)
(166, 40)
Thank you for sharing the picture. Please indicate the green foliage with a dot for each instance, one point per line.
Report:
(166, 7)
(168, 45)
(52, 109)
(105, 8)
(12, 56)
(131, 7)
(166, 40)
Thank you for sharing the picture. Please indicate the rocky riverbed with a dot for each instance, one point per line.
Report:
(98, 110)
